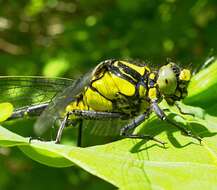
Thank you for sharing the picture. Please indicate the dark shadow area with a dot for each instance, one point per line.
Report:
(156, 127)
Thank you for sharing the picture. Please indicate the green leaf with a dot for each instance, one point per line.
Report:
(140, 164)
(203, 87)
(137, 164)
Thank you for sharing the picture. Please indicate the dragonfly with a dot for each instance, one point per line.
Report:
(115, 97)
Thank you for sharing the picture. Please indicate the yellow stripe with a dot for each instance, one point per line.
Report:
(152, 76)
(97, 102)
(142, 91)
(152, 93)
(110, 85)
(139, 69)
(185, 75)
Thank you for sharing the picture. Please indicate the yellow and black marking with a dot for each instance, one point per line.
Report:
(121, 89)
(117, 89)
(116, 86)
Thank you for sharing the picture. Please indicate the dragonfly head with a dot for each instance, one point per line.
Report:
(173, 81)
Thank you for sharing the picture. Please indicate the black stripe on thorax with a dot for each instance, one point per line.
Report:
(116, 71)
(128, 70)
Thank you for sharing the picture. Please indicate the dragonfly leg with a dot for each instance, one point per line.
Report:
(124, 131)
(60, 130)
(79, 141)
(84, 114)
(163, 117)
(96, 115)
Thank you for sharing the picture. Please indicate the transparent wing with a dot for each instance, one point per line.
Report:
(24, 91)
(57, 106)
(56, 109)
(105, 127)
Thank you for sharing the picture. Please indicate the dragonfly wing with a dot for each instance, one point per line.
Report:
(24, 91)
(109, 127)
(56, 107)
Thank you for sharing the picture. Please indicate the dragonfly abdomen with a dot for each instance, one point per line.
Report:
(28, 111)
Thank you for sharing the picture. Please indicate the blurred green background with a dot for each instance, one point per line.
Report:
(66, 38)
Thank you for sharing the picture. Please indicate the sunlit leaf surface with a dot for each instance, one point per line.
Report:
(137, 164)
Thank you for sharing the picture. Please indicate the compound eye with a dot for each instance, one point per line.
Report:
(167, 81)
